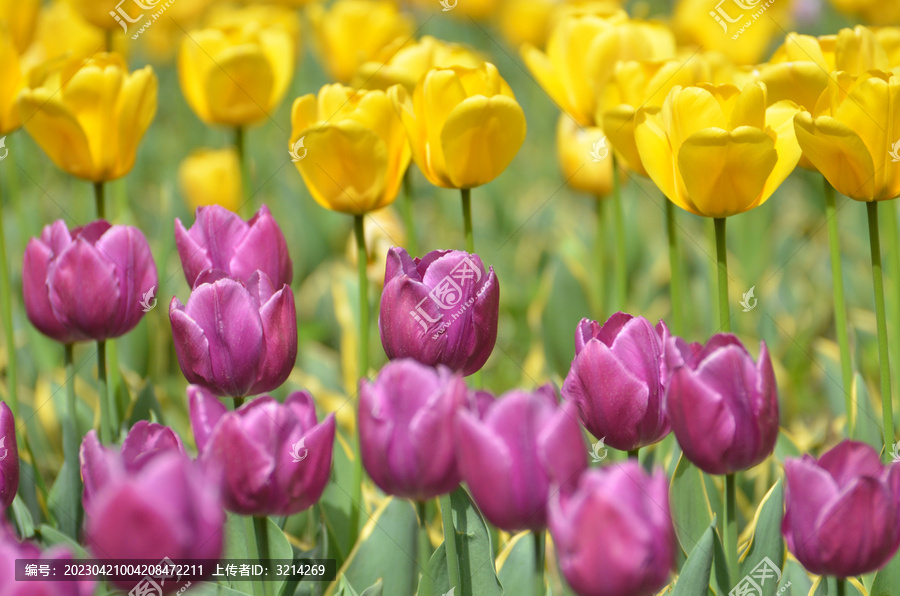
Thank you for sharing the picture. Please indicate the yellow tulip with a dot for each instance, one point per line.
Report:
(62, 33)
(876, 12)
(350, 147)
(582, 53)
(162, 46)
(574, 148)
(889, 38)
(236, 75)
(716, 150)
(21, 17)
(531, 21)
(89, 115)
(97, 13)
(353, 32)
(227, 16)
(853, 139)
(211, 177)
(464, 124)
(10, 82)
(407, 65)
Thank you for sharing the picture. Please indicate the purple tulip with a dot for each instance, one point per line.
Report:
(524, 443)
(723, 406)
(220, 239)
(9, 458)
(613, 532)
(617, 380)
(440, 309)
(273, 458)
(91, 284)
(233, 338)
(841, 512)
(11, 549)
(406, 428)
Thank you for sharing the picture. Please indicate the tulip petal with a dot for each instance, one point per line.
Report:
(808, 489)
(304, 482)
(56, 130)
(839, 153)
(849, 460)
(35, 292)
(247, 466)
(135, 112)
(279, 326)
(128, 250)
(656, 155)
(263, 247)
(780, 122)
(242, 83)
(205, 412)
(191, 346)
(619, 124)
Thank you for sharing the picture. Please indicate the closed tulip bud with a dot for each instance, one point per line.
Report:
(9, 458)
(220, 239)
(211, 177)
(59, 110)
(10, 82)
(511, 455)
(440, 309)
(11, 549)
(406, 429)
(405, 66)
(273, 458)
(233, 338)
(236, 75)
(357, 146)
(464, 124)
(723, 406)
(618, 378)
(582, 152)
(613, 533)
(21, 18)
(92, 283)
(841, 511)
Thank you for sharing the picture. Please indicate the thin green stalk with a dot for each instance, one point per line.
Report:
(104, 398)
(8, 323)
(261, 529)
(619, 221)
(72, 439)
(240, 147)
(892, 239)
(100, 199)
(238, 402)
(424, 541)
(722, 285)
(254, 551)
(467, 218)
(450, 545)
(729, 534)
(412, 242)
(600, 260)
(710, 229)
(887, 407)
(539, 541)
(675, 286)
(634, 453)
(841, 586)
(362, 261)
(840, 308)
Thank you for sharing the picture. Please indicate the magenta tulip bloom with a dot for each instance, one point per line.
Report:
(91, 284)
(524, 443)
(220, 239)
(613, 533)
(11, 549)
(841, 512)
(233, 338)
(274, 458)
(440, 309)
(723, 406)
(9, 458)
(617, 380)
(406, 428)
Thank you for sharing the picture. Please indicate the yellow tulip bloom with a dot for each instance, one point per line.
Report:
(89, 115)
(889, 38)
(97, 13)
(716, 150)
(464, 124)
(62, 33)
(407, 65)
(236, 75)
(162, 46)
(583, 156)
(211, 177)
(350, 147)
(853, 139)
(353, 32)
(10, 82)
(21, 17)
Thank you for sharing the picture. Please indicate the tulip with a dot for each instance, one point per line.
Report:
(405, 66)
(220, 239)
(464, 124)
(236, 75)
(62, 32)
(226, 16)
(11, 549)
(406, 433)
(90, 283)
(576, 147)
(715, 150)
(618, 380)
(510, 455)
(613, 533)
(211, 177)
(841, 511)
(98, 13)
(89, 115)
(9, 458)
(358, 151)
(235, 338)
(21, 18)
(163, 44)
(353, 32)
(274, 458)
(440, 309)
(10, 83)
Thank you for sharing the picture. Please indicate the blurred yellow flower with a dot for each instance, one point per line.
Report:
(236, 75)
(407, 65)
(889, 38)
(353, 32)
(211, 177)
(382, 230)
(62, 33)
(583, 155)
(853, 139)
(10, 82)
(350, 147)
(464, 124)
(21, 18)
(716, 150)
(876, 12)
(98, 13)
(89, 115)
(181, 16)
(226, 16)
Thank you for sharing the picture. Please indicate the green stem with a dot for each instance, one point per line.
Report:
(238, 402)
(634, 453)
(261, 529)
(467, 218)
(362, 259)
(9, 331)
(424, 541)
(675, 287)
(407, 207)
(254, 548)
(619, 220)
(722, 285)
(730, 537)
(600, 261)
(841, 586)
(100, 200)
(104, 398)
(539, 540)
(892, 239)
(72, 439)
(887, 408)
(240, 147)
(840, 308)
(108, 39)
(450, 545)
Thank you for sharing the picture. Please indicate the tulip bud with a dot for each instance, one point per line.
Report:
(509, 458)
(723, 407)
(841, 511)
(440, 309)
(613, 533)
(93, 283)
(211, 177)
(405, 429)
(617, 380)
(11, 549)
(273, 458)
(220, 239)
(233, 338)
(9, 458)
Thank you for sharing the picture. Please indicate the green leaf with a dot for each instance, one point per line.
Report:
(237, 546)
(279, 548)
(767, 542)
(344, 588)
(336, 502)
(146, 403)
(517, 570)
(868, 423)
(22, 516)
(691, 511)
(63, 501)
(52, 537)
(887, 581)
(795, 580)
(375, 589)
(694, 577)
